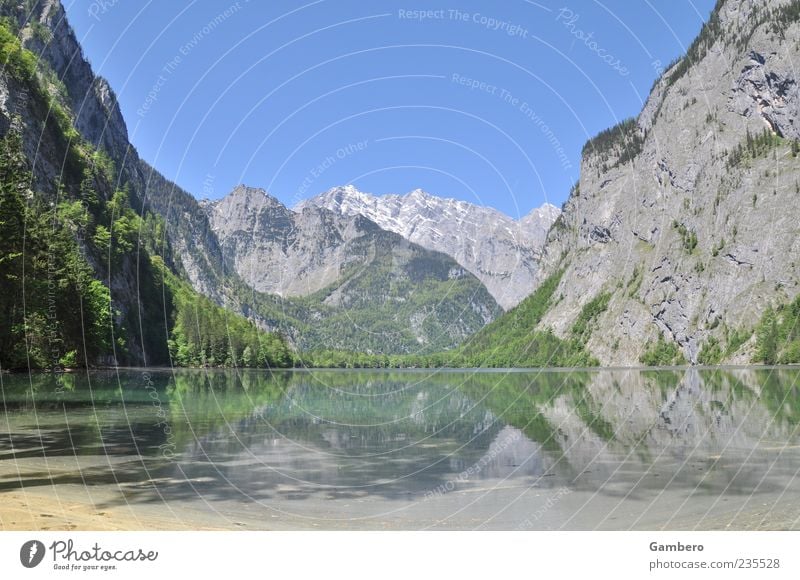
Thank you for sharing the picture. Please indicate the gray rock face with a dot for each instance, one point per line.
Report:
(501, 252)
(278, 251)
(696, 232)
(97, 115)
(91, 105)
(766, 88)
(345, 272)
(346, 283)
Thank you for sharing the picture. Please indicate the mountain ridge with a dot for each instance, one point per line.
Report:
(685, 216)
(501, 252)
(332, 265)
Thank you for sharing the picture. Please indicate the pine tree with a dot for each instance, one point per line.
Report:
(14, 181)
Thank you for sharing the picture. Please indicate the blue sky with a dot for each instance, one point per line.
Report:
(487, 102)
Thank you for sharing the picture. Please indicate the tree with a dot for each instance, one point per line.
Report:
(248, 360)
(14, 181)
(767, 338)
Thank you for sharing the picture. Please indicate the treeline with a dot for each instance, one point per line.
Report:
(53, 311)
(62, 249)
(755, 146)
(206, 335)
(625, 140)
(778, 335)
(509, 341)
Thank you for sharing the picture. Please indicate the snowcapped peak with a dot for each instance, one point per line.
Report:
(348, 189)
(500, 251)
(344, 194)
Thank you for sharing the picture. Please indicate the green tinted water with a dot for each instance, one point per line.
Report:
(414, 450)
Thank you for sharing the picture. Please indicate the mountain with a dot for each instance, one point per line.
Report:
(87, 271)
(351, 284)
(135, 249)
(681, 237)
(501, 252)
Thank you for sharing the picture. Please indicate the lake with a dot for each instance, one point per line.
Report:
(410, 450)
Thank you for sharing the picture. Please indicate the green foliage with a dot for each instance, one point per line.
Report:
(67, 241)
(623, 141)
(586, 322)
(14, 181)
(41, 32)
(783, 16)
(102, 164)
(512, 341)
(66, 309)
(735, 339)
(662, 353)
(709, 34)
(767, 338)
(711, 353)
(716, 350)
(381, 308)
(688, 237)
(778, 335)
(68, 316)
(14, 59)
(754, 147)
(635, 282)
(205, 334)
(69, 360)
(509, 341)
(24, 65)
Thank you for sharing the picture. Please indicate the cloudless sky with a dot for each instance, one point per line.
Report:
(489, 102)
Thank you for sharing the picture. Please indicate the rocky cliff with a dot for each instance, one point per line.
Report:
(688, 215)
(323, 279)
(75, 144)
(501, 252)
(354, 285)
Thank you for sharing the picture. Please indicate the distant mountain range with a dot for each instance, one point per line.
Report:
(351, 284)
(322, 279)
(678, 244)
(501, 252)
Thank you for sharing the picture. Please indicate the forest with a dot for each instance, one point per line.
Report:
(63, 248)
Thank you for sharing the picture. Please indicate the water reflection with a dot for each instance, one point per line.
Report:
(442, 448)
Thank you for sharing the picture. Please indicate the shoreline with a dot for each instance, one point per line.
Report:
(33, 511)
(487, 370)
(36, 511)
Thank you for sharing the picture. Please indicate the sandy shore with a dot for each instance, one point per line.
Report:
(20, 510)
(41, 511)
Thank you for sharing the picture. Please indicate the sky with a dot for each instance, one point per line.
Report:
(489, 102)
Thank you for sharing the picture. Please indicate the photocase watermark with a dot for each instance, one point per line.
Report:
(31, 553)
(475, 468)
(569, 19)
(168, 447)
(184, 50)
(484, 21)
(522, 106)
(100, 7)
(208, 185)
(551, 502)
(330, 160)
(67, 556)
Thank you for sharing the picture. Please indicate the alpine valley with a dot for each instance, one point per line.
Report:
(678, 244)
